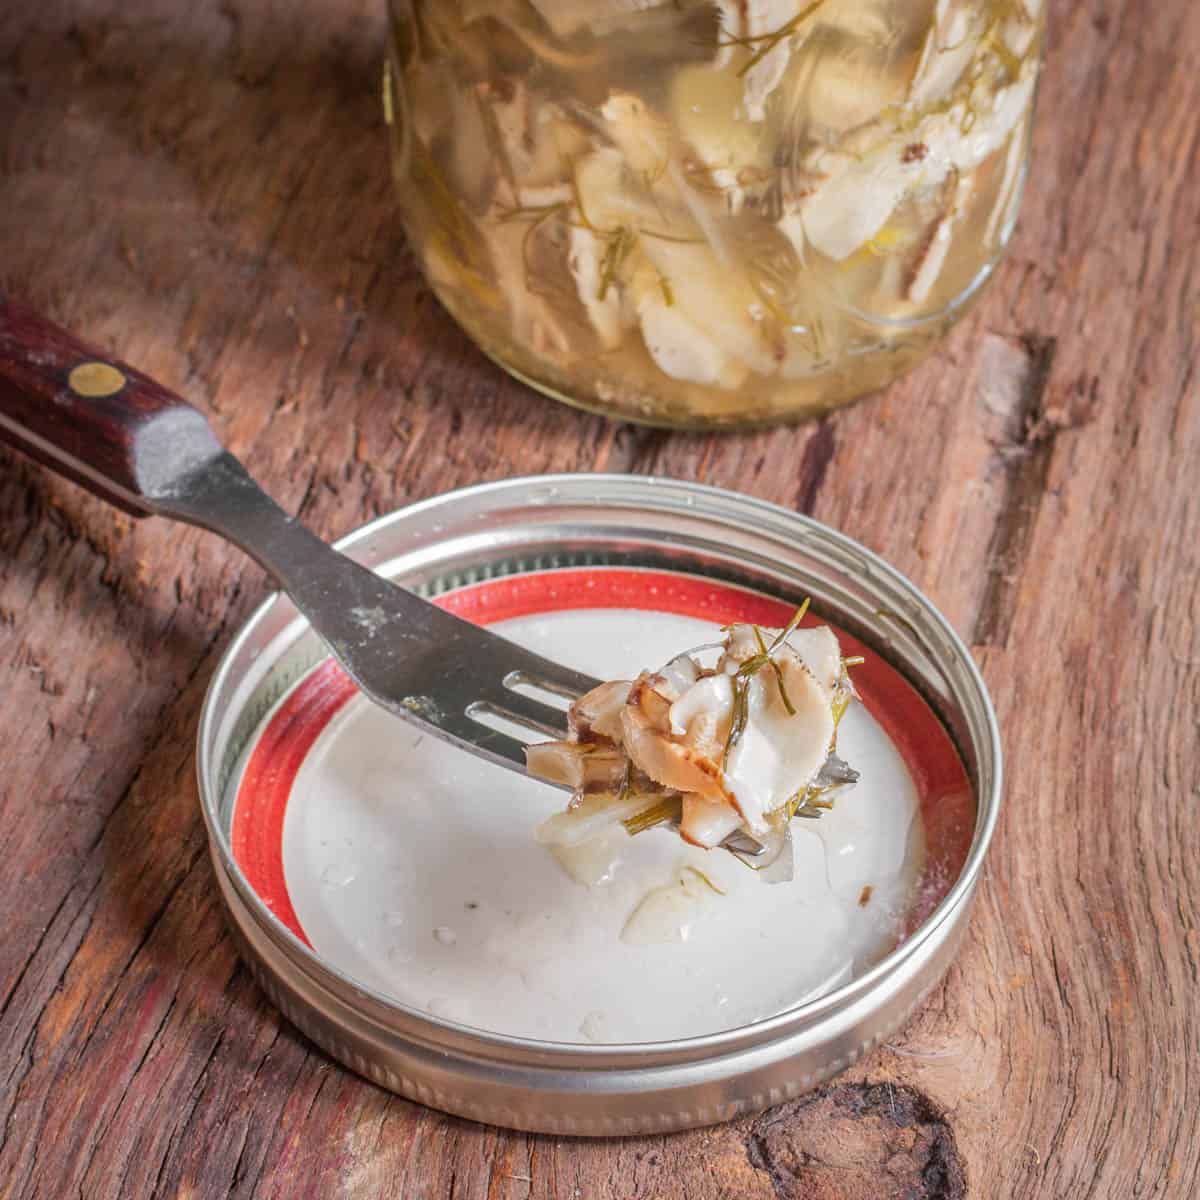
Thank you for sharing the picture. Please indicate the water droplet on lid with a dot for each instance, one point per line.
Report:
(393, 919)
(339, 875)
(445, 935)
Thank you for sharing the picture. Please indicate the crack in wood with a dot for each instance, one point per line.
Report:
(814, 462)
(1026, 463)
(33, 953)
(859, 1141)
(114, 1112)
(13, 1085)
(238, 1166)
(632, 449)
(183, 1121)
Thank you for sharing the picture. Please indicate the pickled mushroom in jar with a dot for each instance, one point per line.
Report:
(745, 744)
(704, 206)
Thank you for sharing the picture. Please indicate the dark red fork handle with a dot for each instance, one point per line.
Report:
(90, 416)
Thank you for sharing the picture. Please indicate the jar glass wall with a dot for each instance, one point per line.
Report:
(708, 212)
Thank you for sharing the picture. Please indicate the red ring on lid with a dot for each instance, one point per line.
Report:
(946, 799)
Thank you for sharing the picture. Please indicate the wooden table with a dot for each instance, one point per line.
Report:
(202, 188)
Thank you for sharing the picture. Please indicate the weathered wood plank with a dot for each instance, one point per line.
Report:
(204, 191)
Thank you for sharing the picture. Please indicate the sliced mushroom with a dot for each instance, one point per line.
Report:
(671, 763)
(705, 823)
(598, 712)
(581, 766)
(680, 348)
(861, 192)
(937, 245)
(642, 137)
(600, 296)
(530, 140)
(701, 715)
(534, 322)
(817, 647)
(677, 676)
(734, 155)
(605, 194)
(778, 752)
(840, 90)
(777, 31)
(950, 45)
(819, 651)
(717, 300)
(761, 20)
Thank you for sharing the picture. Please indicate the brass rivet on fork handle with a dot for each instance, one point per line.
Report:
(95, 380)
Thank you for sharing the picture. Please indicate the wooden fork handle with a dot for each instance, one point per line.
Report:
(93, 418)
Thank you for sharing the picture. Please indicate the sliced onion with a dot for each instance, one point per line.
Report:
(591, 816)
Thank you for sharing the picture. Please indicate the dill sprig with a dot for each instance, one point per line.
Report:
(764, 43)
(793, 624)
(775, 666)
(617, 248)
(669, 808)
(743, 675)
(741, 701)
(737, 725)
(807, 803)
(519, 212)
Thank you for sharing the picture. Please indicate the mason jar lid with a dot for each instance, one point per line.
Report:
(531, 545)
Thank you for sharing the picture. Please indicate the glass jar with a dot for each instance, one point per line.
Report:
(710, 212)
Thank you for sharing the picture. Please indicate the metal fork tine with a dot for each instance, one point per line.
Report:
(532, 670)
(743, 843)
(525, 710)
(545, 728)
(515, 679)
(459, 726)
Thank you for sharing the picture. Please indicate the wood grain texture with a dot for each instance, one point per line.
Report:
(202, 191)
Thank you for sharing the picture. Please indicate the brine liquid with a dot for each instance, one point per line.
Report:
(703, 212)
(412, 868)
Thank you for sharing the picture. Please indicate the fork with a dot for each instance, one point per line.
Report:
(134, 443)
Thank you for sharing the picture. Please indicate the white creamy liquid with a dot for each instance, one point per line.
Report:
(412, 868)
